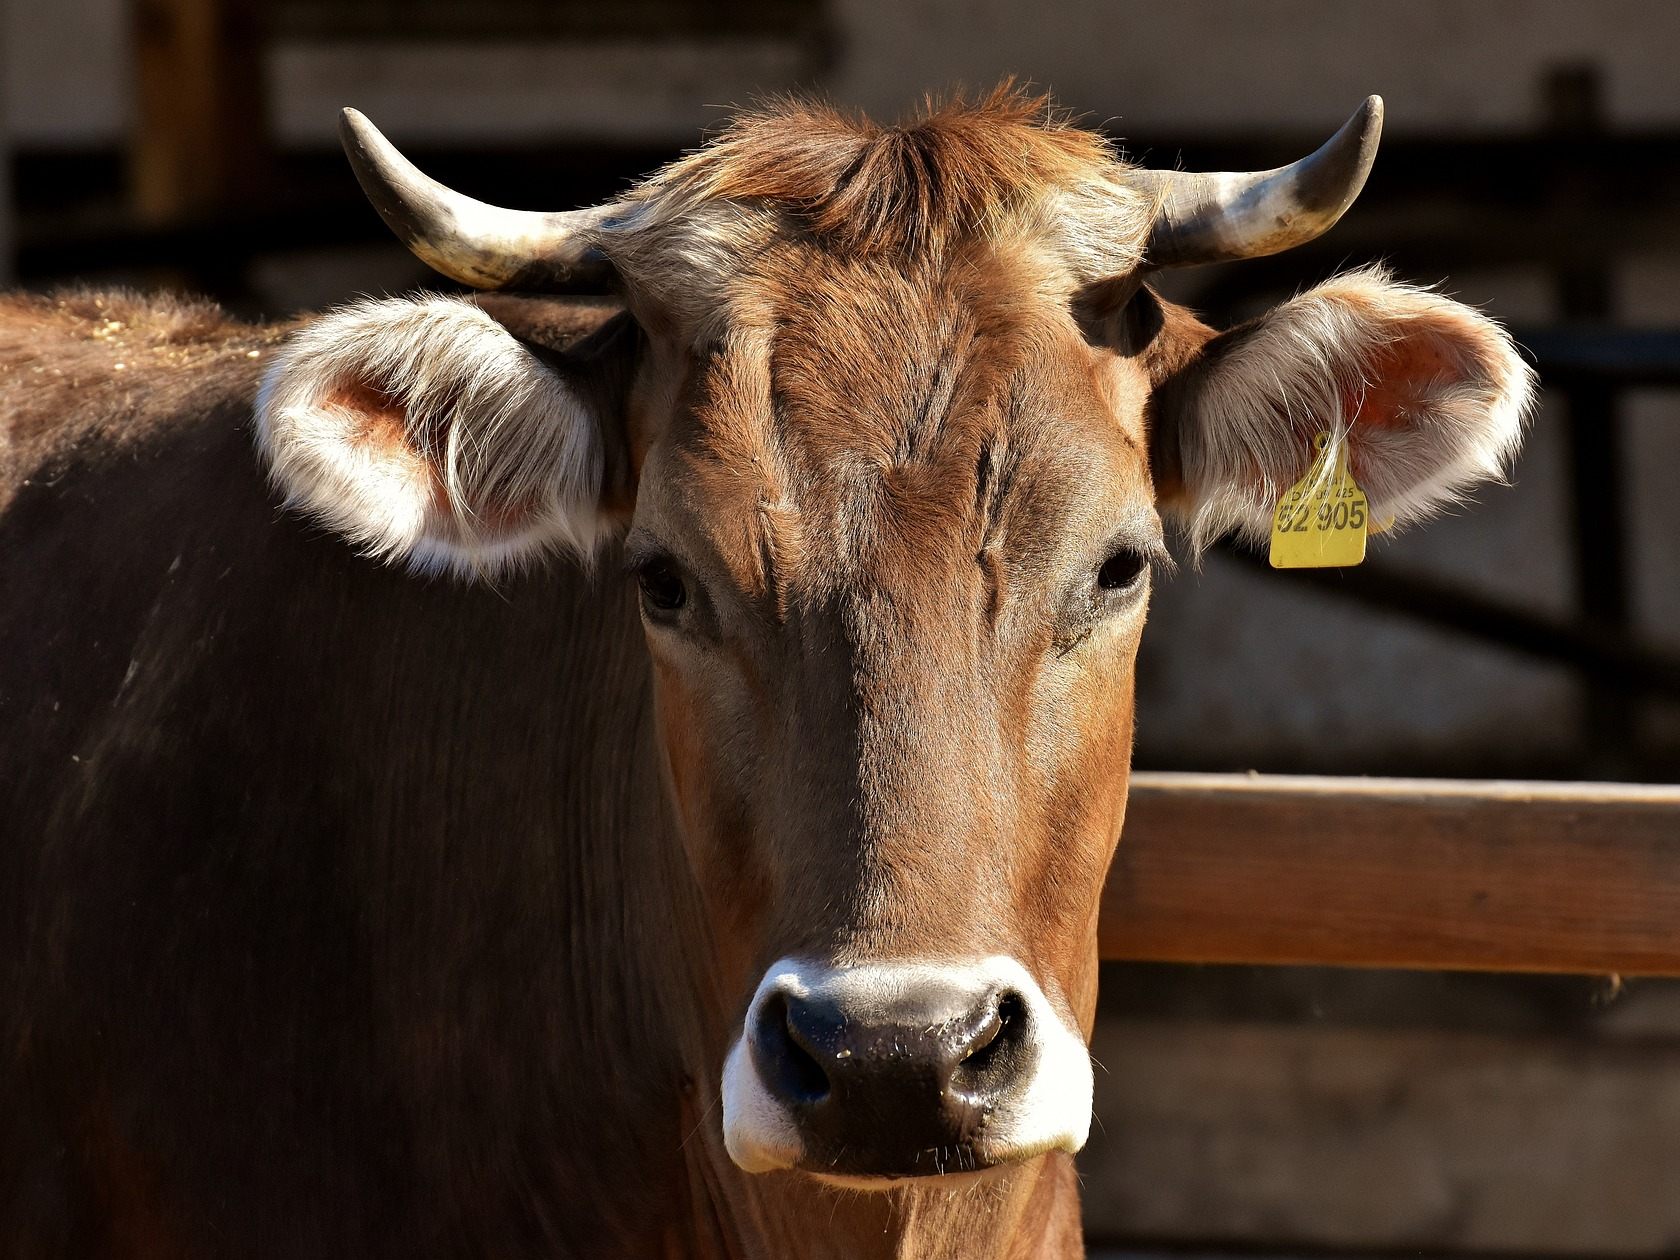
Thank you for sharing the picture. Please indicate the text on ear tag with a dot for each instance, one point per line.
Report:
(1320, 522)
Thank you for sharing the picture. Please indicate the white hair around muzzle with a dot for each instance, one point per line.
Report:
(1050, 1110)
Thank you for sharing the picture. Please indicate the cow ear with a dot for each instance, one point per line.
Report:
(1428, 395)
(427, 433)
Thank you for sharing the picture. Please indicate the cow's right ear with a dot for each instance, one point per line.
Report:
(428, 433)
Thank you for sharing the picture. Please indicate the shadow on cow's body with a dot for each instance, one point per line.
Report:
(733, 895)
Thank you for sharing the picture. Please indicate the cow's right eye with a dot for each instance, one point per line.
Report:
(662, 586)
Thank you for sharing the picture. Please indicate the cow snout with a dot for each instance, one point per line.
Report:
(881, 1072)
(899, 1091)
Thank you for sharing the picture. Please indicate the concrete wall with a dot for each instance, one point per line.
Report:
(1400, 1141)
(1208, 65)
(64, 72)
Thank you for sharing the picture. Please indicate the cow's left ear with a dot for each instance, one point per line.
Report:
(1429, 395)
(427, 432)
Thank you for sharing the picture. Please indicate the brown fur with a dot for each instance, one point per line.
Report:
(948, 171)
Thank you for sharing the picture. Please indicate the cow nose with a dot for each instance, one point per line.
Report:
(879, 1070)
(902, 1088)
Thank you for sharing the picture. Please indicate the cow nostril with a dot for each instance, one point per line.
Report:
(792, 1070)
(997, 1045)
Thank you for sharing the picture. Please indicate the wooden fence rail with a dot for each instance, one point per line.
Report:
(1425, 873)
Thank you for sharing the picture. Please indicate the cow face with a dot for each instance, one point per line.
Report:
(893, 572)
(887, 441)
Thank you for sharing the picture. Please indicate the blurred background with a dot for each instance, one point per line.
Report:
(1531, 165)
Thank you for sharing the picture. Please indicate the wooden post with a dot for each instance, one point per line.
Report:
(8, 229)
(200, 141)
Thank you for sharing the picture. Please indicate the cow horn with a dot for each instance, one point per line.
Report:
(478, 244)
(1220, 216)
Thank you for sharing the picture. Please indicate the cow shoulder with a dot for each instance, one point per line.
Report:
(88, 368)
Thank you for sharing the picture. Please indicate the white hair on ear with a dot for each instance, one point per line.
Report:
(1306, 368)
(424, 432)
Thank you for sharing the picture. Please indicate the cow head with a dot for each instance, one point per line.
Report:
(887, 431)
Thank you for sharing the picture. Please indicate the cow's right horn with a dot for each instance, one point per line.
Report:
(478, 244)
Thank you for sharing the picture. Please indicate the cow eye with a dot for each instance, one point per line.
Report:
(1121, 570)
(662, 586)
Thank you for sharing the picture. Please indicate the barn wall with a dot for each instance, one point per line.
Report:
(1206, 65)
(64, 72)
(1160, 70)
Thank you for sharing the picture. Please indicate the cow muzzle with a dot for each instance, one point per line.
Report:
(869, 1074)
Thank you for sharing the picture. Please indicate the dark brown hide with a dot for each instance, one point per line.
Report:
(342, 915)
(317, 911)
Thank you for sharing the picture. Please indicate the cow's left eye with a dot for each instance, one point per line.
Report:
(1114, 586)
(1121, 570)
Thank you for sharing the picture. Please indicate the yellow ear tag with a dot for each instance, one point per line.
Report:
(1321, 521)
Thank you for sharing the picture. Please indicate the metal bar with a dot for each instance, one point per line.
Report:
(1568, 354)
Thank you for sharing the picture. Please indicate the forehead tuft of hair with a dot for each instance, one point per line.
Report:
(948, 170)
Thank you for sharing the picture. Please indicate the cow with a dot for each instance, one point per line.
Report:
(624, 762)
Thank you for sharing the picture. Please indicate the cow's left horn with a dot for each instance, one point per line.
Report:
(470, 241)
(1225, 215)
